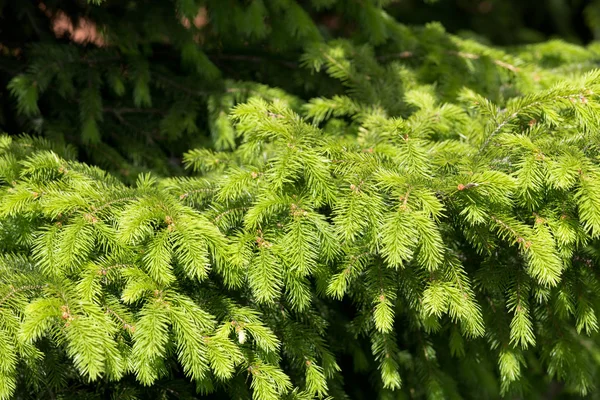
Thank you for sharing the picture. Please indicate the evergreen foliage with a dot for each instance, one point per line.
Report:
(369, 210)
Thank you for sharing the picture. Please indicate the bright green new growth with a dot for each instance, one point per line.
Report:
(439, 239)
(122, 278)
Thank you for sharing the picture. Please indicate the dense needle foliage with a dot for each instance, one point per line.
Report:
(278, 199)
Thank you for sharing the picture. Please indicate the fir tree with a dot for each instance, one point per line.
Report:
(365, 209)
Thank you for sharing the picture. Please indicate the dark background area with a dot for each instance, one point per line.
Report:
(506, 22)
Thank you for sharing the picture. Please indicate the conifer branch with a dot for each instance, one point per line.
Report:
(15, 290)
(471, 56)
(319, 214)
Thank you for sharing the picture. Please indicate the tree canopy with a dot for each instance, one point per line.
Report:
(279, 199)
